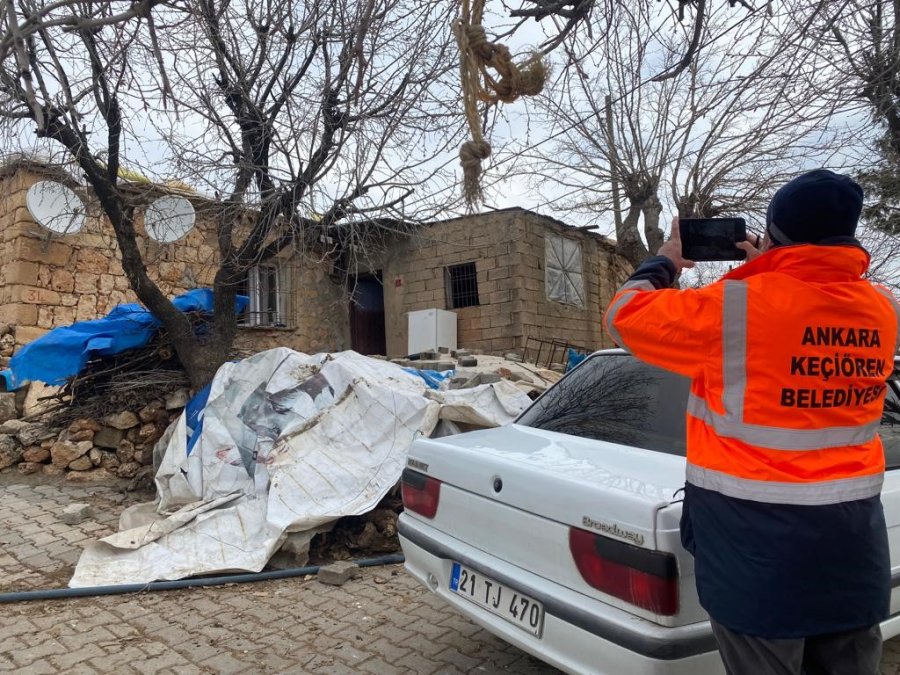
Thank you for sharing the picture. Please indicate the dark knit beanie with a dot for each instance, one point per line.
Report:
(817, 205)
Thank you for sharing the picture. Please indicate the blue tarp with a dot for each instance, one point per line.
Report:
(433, 378)
(193, 416)
(64, 351)
(574, 357)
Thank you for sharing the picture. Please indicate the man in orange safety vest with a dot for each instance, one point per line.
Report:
(788, 356)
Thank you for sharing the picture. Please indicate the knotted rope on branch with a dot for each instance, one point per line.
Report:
(476, 56)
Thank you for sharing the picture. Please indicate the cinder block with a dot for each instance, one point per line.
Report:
(338, 573)
(74, 514)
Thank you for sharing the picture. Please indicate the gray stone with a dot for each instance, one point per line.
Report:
(32, 433)
(63, 453)
(459, 382)
(482, 378)
(467, 362)
(8, 406)
(338, 573)
(177, 399)
(12, 427)
(74, 514)
(10, 451)
(463, 352)
(512, 356)
(432, 365)
(95, 455)
(108, 437)
(123, 420)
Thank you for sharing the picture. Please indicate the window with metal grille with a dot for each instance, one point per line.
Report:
(461, 282)
(268, 288)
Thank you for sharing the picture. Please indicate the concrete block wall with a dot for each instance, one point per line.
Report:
(414, 279)
(507, 248)
(540, 317)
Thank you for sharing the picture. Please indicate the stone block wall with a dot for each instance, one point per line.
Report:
(48, 281)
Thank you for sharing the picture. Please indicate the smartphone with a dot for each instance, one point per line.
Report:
(705, 239)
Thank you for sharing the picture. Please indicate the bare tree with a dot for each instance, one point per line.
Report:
(715, 139)
(316, 117)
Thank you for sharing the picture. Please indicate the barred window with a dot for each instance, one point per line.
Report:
(461, 282)
(268, 287)
(564, 275)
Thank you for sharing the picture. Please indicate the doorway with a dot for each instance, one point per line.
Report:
(367, 335)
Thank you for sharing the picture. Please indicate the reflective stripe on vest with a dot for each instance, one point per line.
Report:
(622, 299)
(886, 293)
(818, 493)
(734, 375)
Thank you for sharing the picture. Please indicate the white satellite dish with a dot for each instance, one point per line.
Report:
(55, 206)
(168, 219)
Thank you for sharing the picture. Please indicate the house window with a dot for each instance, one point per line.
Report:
(461, 282)
(564, 275)
(268, 288)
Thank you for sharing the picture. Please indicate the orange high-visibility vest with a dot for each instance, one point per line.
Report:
(788, 356)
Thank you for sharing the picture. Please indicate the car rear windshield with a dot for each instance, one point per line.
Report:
(618, 399)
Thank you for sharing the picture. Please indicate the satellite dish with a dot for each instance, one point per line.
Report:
(168, 219)
(55, 206)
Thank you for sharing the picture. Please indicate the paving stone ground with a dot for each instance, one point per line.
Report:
(381, 623)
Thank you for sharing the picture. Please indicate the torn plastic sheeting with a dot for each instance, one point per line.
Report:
(64, 351)
(292, 442)
(433, 378)
(487, 405)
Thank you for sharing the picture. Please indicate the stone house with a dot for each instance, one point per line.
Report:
(509, 275)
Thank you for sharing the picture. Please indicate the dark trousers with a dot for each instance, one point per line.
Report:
(855, 652)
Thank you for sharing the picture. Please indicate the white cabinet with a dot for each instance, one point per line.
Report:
(430, 329)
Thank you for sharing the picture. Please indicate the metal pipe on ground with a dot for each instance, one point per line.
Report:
(119, 589)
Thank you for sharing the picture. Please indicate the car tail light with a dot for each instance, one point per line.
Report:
(647, 579)
(420, 493)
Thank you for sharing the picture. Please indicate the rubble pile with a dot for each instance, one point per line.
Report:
(118, 445)
(470, 369)
(101, 425)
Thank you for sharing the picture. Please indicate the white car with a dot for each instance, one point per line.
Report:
(560, 532)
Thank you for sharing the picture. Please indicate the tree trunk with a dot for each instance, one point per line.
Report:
(628, 240)
(655, 236)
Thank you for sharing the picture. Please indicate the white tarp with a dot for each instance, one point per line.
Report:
(289, 441)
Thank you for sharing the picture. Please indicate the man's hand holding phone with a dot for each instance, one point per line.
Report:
(671, 249)
(722, 239)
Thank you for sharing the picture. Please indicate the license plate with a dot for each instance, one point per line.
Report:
(517, 608)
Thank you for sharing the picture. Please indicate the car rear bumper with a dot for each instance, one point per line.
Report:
(581, 635)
